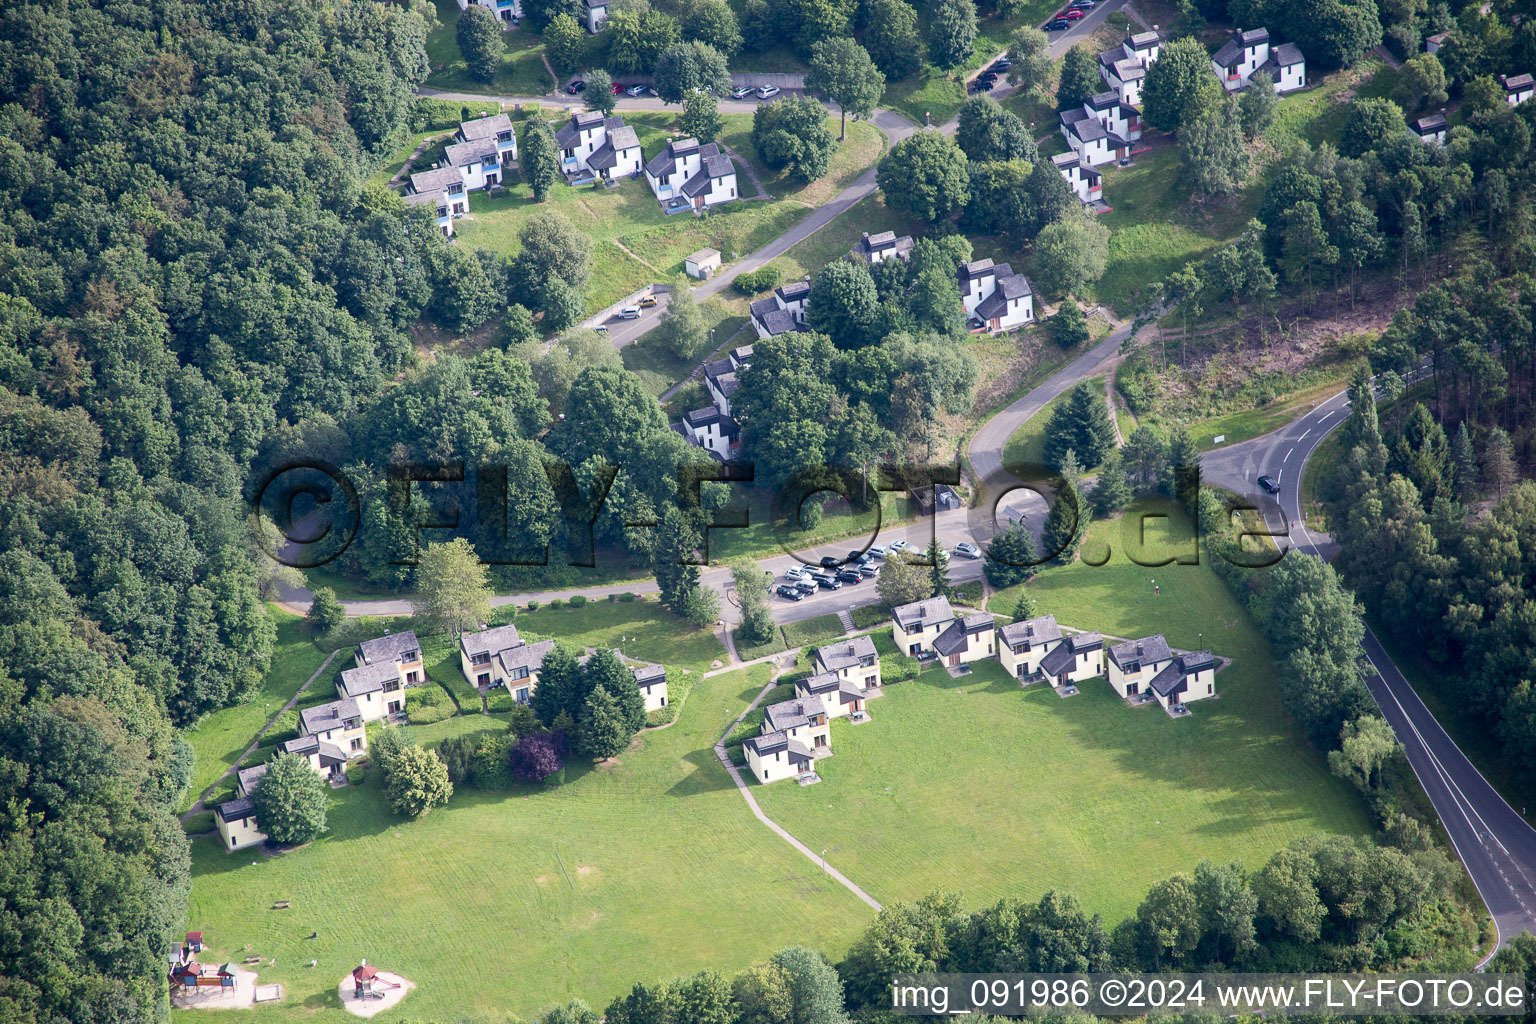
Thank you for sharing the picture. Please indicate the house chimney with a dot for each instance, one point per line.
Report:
(1138, 647)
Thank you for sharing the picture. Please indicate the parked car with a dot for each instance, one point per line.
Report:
(618, 87)
(1071, 14)
(1270, 484)
(806, 586)
(829, 561)
(790, 593)
(629, 313)
(796, 572)
(900, 545)
(983, 84)
(647, 302)
(967, 549)
(876, 551)
(767, 91)
(857, 558)
(1057, 25)
(601, 328)
(741, 92)
(829, 582)
(1001, 64)
(635, 90)
(869, 572)
(850, 576)
(576, 87)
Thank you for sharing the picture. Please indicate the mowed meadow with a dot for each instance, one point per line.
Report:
(989, 790)
(512, 901)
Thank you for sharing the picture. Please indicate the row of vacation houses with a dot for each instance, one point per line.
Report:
(333, 733)
(509, 12)
(684, 175)
(1432, 128)
(796, 732)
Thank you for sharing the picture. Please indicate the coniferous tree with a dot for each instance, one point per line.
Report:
(1011, 557)
(938, 572)
(1464, 465)
(1499, 470)
(1112, 490)
(540, 158)
(1067, 521)
(602, 727)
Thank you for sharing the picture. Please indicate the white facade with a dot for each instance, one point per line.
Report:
(685, 172)
(1250, 51)
(1086, 183)
(592, 145)
(995, 298)
(594, 13)
(1517, 88)
(507, 11)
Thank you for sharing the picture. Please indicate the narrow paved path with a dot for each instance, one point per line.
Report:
(746, 794)
(199, 805)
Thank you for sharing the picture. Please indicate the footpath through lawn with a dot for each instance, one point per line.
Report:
(511, 901)
(978, 786)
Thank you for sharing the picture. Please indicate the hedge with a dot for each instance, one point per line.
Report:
(427, 714)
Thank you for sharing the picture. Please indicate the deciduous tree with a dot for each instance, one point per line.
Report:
(479, 39)
(892, 38)
(842, 72)
(926, 176)
(290, 800)
(453, 594)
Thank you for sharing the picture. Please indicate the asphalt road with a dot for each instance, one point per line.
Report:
(1494, 842)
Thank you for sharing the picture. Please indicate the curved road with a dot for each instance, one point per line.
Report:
(1494, 842)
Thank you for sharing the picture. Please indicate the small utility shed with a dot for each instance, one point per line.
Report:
(702, 264)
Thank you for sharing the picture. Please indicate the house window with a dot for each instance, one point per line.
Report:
(394, 707)
(357, 744)
(413, 677)
(482, 658)
(520, 673)
(392, 686)
(521, 696)
(483, 679)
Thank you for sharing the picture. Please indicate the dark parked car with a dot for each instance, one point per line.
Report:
(1270, 484)
(983, 84)
(806, 586)
(850, 576)
(576, 87)
(829, 582)
(858, 558)
(1057, 25)
(1001, 64)
(790, 593)
(828, 561)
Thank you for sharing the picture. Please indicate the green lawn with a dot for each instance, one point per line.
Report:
(1027, 445)
(219, 738)
(1246, 424)
(658, 367)
(834, 241)
(977, 786)
(1316, 115)
(864, 145)
(1155, 229)
(522, 71)
(652, 633)
(508, 902)
(634, 242)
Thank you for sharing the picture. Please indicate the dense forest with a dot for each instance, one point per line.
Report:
(190, 266)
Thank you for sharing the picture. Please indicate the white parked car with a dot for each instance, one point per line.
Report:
(967, 549)
(629, 313)
(796, 572)
(767, 91)
(741, 92)
(899, 545)
(876, 551)
(635, 90)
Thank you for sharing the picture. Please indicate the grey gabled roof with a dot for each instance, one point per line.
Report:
(1287, 54)
(327, 716)
(821, 682)
(665, 162)
(529, 656)
(368, 678)
(461, 154)
(248, 777)
(1087, 127)
(649, 674)
(786, 715)
(1085, 641)
(490, 641)
(1060, 658)
(702, 417)
(1230, 54)
(585, 120)
(927, 612)
(1170, 680)
(389, 647)
(1108, 57)
(758, 308)
(1103, 100)
(1013, 286)
(951, 641)
(1142, 40)
(306, 745)
(1128, 69)
(1514, 83)
(1133, 654)
(844, 653)
(795, 291)
(436, 180)
(1197, 661)
(1041, 629)
(1431, 125)
(773, 742)
(975, 268)
(485, 127)
(778, 321)
(711, 167)
(438, 198)
(240, 807)
(1252, 36)
(620, 138)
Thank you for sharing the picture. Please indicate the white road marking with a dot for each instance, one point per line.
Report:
(1287, 454)
(1328, 413)
(1278, 475)
(1304, 434)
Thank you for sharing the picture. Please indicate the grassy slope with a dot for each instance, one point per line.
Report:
(219, 738)
(511, 901)
(1084, 793)
(634, 243)
(522, 70)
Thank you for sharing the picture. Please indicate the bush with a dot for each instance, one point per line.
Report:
(499, 701)
(555, 602)
(870, 615)
(533, 606)
(611, 597)
(760, 280)
(355, 773)
(427, 714)
(627, 597)
(429, 696)
(429, 114)
(579, 601)
(491, 767)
